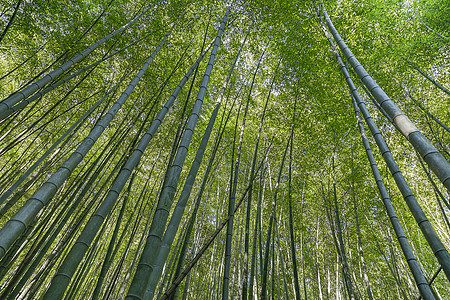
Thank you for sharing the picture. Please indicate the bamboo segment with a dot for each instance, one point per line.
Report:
(30, 170)
(225, 293)
(60, 82)
(422, 146)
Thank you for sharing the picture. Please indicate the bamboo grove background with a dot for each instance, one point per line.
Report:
(212, 150)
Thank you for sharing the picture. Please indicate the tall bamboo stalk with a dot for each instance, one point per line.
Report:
(427, 229)
(437, 163)
(141, 277)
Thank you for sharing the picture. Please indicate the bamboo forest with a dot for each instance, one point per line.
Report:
(211, 149)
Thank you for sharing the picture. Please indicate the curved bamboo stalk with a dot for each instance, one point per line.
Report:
(231, 191)
(252, 172)
(246, 287)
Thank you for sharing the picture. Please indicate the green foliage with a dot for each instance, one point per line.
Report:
(298, 59)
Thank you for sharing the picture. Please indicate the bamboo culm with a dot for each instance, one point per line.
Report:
(271, 221)
(437, 163)
(30, 170)
(16, 9)
(77, 252)
(26, 92)
(431, 79)
(427, 229)
(53, 86)
(202, 250)
(175, 220)
(291, 221)
(141, 277)
(225, 294)
(421, 282)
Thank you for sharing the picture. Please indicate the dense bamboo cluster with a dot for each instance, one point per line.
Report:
(118, 182)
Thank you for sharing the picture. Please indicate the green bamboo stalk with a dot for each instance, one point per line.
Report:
(428, 77)
(78, 250)
(438, 164)
(271, 218)
(64, 80)
(427, 229)
(298, 295)
(358, 235)
(225, 292)
(16, 9)
(426, 111)
(199, 195)
(252, 172)
(26, 92)
(81, 119)
(283, 264)
(62, 220)
(403, 241)
(340, 240)
(140, 279)
(199, 254)
(255, 236)
(175, 220)
(107, 261)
